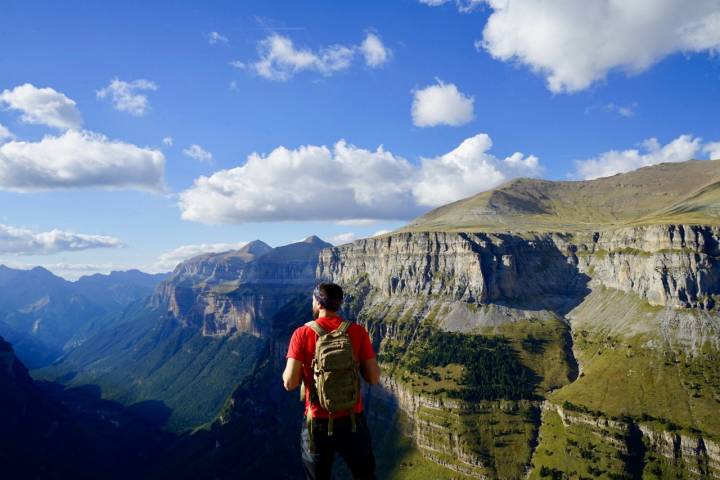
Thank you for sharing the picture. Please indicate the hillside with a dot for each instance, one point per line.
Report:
(686, 192)
(200, 333)
(44, 315)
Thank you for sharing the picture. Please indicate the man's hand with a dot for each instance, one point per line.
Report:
(370, 371)
(292, 376)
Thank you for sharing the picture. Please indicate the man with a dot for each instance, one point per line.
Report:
(345, 433)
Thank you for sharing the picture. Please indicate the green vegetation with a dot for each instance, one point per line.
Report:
(579, 451)
(490, 366)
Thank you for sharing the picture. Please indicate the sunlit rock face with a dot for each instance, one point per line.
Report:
(237, 291)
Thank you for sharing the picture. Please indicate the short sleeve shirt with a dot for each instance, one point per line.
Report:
(302, 349)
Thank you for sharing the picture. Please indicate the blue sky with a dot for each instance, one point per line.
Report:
(449, 90)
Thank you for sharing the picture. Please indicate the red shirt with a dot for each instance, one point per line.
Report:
(302, 349)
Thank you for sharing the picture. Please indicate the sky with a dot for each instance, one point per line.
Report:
(137, 134)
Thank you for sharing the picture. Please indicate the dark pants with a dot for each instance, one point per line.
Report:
(354, 447)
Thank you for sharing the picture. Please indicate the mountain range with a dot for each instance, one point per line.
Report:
(542, 329)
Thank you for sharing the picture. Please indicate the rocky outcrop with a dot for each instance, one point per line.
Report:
(671, 265)
(237, 291)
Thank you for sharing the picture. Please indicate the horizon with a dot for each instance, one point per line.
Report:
(140, 151)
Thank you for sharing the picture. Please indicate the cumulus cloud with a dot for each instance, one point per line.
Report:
(280, 59)
(574, 44)
(346, 184)
(42, 106)
(310, 182)
(713, 150)
(467, 170)
(5, 134)
(169, 260)
(215, 38)
(198, 153)
(28, 242)
(650, 152)
(125, 97)
(441, 104)
(79, 159)
(374, 51)
(168, 141)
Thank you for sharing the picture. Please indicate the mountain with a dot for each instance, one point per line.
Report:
(45, 315)
(199, 335)
(582, 342)
(550, 329)
(668, 193)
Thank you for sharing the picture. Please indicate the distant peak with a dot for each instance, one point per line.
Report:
(256, 247)
(314, 239)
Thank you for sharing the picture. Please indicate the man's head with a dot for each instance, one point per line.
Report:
(328, 297)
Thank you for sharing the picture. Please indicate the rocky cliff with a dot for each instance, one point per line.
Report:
(234, 292)
(410, 286)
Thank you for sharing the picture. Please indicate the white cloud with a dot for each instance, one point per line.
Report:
(464, 6)
(622, 110)
(467, 170)
(28, 242)
(341, 238)
(713, 150)
(79, 159)
(381, 232)
(347, 184)
(357, 222)
(441, 104)
(5, 134)
(42, 106)
(169, 260)
(575, 44)
(280, 60)
(125, 96)
(215, 38)
(375, 53)
(238, 64)
(168, 141)
(310, 182)
(650, 152)
(198, 153)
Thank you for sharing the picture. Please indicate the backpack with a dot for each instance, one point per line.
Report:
(336, 385)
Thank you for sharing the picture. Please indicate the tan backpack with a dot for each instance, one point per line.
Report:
(336, 385)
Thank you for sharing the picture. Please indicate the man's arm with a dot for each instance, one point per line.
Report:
(370, 371)
(292, 376)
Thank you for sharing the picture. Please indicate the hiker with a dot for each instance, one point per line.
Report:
(327, 356)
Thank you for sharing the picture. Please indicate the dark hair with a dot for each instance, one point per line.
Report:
(329, 296)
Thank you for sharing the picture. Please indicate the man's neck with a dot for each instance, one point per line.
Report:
(326, 313)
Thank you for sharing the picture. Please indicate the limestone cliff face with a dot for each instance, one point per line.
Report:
(674, 265)
(237, 291)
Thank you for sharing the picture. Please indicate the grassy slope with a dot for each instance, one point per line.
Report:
(629, 369)
(687, 192)
(154, 359)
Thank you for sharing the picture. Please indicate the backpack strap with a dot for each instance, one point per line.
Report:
(344, 326)
(316, 328)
